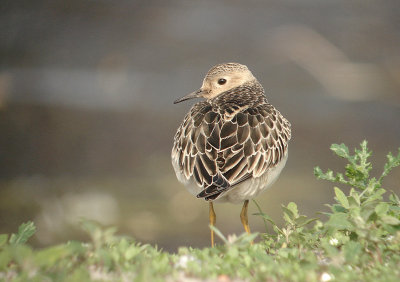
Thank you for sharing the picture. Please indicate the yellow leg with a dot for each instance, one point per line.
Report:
(213, 220)
(243, 217)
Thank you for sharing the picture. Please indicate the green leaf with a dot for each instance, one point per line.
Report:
(392, 162)
(21, 253)
(219, 234)
(293, 208)
(288, 215)
(325, 176)
(247, 238)
(355, 196)
(79, 274)
(382, 208)
(340, 150)
(49, 256)
(330, 250)
(339, 221)
(363, 156)
(395, 208)
(264, 216)
(5, 259)
(340, 178)
(394, 199)
(123, 245)
(25, 231)
(338, 208)
(3, 239)
(303, 220)
(131, 252)
(352, 250)
(341, 197)
(375, 196)
(318, 172)
(390, 220)
(353, 202)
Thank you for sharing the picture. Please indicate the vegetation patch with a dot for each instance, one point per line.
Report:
(359, 241)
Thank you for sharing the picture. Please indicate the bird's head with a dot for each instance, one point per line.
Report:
(219, 79)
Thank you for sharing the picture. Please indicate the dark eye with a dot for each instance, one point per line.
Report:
(221, 81)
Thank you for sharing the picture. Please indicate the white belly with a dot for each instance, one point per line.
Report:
(246, 190)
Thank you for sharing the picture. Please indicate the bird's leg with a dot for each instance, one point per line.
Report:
(213, 220)
(243, 217)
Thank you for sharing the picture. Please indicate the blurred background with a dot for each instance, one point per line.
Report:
(87, 120)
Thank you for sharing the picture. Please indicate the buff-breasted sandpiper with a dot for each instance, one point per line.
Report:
(233, 145)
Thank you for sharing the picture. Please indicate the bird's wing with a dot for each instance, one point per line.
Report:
(221, 150)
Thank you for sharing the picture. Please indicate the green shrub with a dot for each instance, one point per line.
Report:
(359, 241)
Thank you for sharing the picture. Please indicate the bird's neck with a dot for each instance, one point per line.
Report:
(247, 94)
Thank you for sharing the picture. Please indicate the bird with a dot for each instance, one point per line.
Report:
(232, 145)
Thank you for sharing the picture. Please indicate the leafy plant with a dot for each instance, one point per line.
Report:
(25, 231)
(365, 227)
(360, 241)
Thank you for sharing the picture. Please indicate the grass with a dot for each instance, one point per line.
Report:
(359, 241)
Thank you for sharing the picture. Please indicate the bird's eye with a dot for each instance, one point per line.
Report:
(221, 81)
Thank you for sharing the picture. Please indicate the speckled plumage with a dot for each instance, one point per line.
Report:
(231, 146)
(223, 68)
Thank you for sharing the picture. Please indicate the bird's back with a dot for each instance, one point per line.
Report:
(224, 142)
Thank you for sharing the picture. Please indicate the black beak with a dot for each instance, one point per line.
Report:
(192, 95)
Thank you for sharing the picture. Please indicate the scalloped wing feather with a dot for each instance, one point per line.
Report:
(220, 149)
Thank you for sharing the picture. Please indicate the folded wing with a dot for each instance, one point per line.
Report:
(221, 150)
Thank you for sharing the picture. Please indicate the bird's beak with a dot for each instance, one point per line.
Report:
(195, 94)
